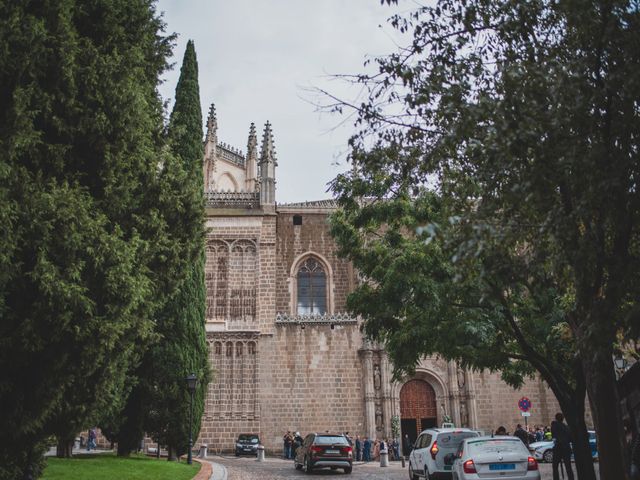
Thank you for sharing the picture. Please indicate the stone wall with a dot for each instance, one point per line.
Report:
(313, 237)
(497, 402)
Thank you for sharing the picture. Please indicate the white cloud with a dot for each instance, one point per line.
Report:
(255, 58)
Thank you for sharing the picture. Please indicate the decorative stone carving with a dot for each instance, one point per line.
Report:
(314, 318)
(376, 377)
(460, 374)
(232, 199)
(378, 418)
(464, 415)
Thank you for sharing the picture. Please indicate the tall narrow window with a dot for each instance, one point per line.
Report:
(312, 288)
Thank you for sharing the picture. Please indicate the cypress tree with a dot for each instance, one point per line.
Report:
(87, 244)
(182, 348)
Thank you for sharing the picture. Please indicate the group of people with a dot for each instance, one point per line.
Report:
(537, 433)
(291, 443)
(367, 450)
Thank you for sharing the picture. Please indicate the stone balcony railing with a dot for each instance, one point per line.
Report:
(315, 319)
(232, 199)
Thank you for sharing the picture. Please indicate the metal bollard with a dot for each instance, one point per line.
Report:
(384, 458)
(260, 453)
(203, 451)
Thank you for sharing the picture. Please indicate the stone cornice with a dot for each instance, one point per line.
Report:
(283, 319)
(248, 200)
(233, 335)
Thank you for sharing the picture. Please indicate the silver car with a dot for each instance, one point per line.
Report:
(494, 458)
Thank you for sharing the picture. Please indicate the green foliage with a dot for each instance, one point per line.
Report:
(522, 116)
(86, 243)
(182, 347)
(108, 467)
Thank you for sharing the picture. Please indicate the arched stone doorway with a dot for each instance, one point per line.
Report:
(418, 408)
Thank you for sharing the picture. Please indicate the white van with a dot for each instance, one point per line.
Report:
(427, 459)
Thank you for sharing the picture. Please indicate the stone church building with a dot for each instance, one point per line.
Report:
(285, 353)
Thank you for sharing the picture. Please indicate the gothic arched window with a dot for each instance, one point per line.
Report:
(312, 288)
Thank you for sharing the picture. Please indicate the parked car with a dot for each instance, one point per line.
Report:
(247, 444)
(494, 458)
(427, 459)
(543, 451)
(324, 450)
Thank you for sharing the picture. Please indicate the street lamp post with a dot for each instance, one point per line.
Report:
(192, 381)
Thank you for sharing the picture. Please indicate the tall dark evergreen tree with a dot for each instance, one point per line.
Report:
(87, 248)
(182, 348)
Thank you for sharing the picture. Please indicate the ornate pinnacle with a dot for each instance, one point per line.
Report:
(212, 122)
(252, 143)
(268, 151)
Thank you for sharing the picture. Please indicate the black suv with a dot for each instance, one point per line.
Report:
(247, 443)
(324, 450)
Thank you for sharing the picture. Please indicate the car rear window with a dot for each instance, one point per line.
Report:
(496, 445)
(330, 440)
(248, 438)
(450, 441)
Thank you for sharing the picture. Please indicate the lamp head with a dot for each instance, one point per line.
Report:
(192, 381)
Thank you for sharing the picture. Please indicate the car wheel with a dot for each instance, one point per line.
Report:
(307, 466)
(548, 456)
(412, 475)
(347, 470)
(297, 465)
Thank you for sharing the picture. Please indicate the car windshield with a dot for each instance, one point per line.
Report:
(451, 440)
(330, 440)
(495, 445)
(248, 438)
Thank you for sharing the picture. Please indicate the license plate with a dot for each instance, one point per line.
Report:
(502, 466)
(332, 451)
(447, 467)
(247, 448)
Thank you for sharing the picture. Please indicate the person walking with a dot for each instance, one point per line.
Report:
(288, 443)
(358, 449)
(91, 442)
(366, 450)
(562, 447)
(406, 446)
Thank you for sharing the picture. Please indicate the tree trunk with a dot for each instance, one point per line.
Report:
(123, 450)
(605, 407)
(580, 434)
(64, 447)
(572, 406)
(171, 454)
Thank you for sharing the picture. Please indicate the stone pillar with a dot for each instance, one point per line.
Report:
(387, 408)
(471, 401)
(369, 394)
(454, 403)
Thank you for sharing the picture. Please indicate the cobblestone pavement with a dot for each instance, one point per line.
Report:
(247, 468)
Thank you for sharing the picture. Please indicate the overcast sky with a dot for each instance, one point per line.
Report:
(257, 59)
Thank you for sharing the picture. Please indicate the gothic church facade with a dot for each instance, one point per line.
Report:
(285, 353)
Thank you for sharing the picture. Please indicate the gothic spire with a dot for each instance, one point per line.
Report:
(268, 151)
(252, 159)
(212, 123)
(267, 168)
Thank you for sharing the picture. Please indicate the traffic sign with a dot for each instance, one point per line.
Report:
(525, 414)
(524, 404)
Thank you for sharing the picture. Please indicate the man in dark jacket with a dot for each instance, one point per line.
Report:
(562, 447)
(522, 435)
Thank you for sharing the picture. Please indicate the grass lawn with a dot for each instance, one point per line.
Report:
(110, 467)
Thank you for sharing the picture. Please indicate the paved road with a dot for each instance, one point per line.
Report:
(247, 468)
